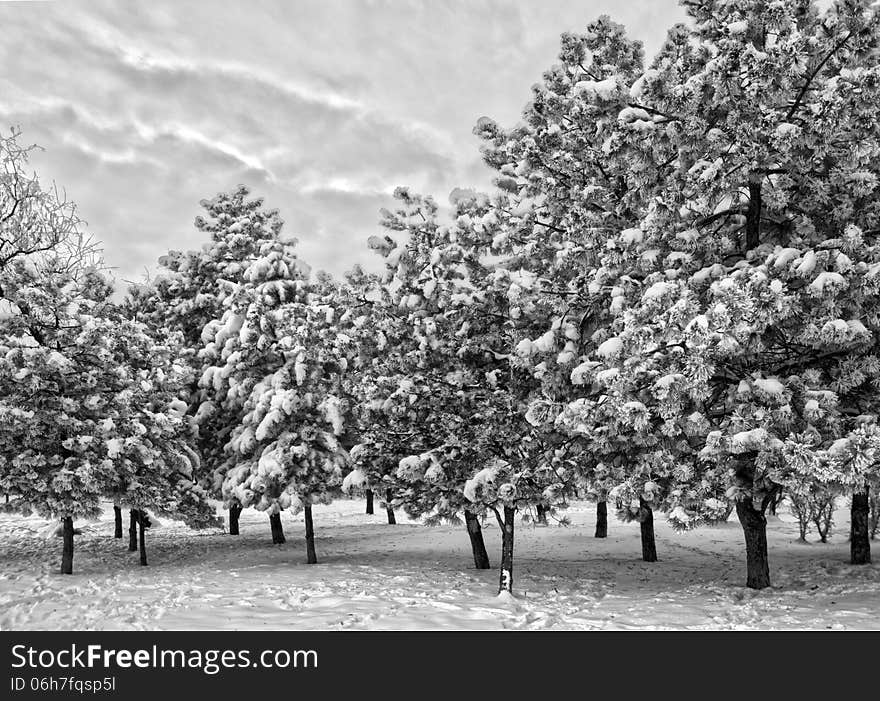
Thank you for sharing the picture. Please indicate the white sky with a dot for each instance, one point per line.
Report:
(323, 106)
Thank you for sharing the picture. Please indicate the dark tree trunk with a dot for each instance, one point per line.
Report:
(823, 517)
(369, 495)
(234, 513)
(67, 551)
(601, 519)
(506, 580)
(646, 521)
(142, 542)
(277, 529)
(776, 501)
(117, 521)
(859, 534)
(389, 495)
(311, 557)
(475, 533)
(875, 516)
(542, 515)
(754, 526)
(753, 217)
(132, 530)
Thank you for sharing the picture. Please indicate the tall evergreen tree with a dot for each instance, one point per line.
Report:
(737, 264)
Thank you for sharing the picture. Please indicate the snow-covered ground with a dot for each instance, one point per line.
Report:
(375, 576)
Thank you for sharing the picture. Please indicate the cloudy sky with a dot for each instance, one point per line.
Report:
(322, 107)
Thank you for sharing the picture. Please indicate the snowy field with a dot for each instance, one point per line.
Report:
(409, 576)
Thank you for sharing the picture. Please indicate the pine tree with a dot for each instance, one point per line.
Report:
(459, 392)
(55, 382)
(404, 405)
(46, 464)
(279, 355)
(84, 415)
(737, 264)
(192, 289)
(564, 196)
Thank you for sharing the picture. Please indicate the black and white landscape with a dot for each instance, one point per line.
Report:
(294, 336)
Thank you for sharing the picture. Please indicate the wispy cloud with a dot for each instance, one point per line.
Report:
(323, 106)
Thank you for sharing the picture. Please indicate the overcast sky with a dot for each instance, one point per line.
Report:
(323, 107)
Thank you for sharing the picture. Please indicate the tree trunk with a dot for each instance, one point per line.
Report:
(117, 521)
(754, 526)
(475, 533)
(542, 515)
(875, 515)
(277, 529)
(859, 538)
(601, 519)
(823, 518)
(142, 542)
(67, 551)
(389, 495)
(506, 580)
(369, 495)
(132, 530)
(234, 513)
(646, 521)
(311, 557)
(753, 219)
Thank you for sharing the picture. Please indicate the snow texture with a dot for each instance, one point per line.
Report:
(411, 577)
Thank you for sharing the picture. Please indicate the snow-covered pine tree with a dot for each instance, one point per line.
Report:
(462, 311)
(365, 304)
(419, 408)
(45, 260)
(279, 354)
(150, 437)
(80, 417)
(401, 408)
(743, 288)
(192, 289)
(527, 467)
(55, 382)
(229, 346)
(565, 198)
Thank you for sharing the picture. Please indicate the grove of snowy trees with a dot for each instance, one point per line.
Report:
(668, 304)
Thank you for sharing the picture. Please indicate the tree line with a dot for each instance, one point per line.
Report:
(668, 303)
